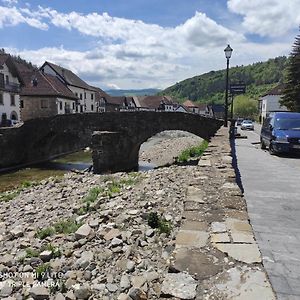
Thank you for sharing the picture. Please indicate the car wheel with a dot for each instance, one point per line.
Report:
(262, 144)
(271, 149)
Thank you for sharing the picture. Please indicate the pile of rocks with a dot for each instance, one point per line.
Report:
(111, 253)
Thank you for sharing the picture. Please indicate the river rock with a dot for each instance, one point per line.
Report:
(39, 293)
(83, 232)
(179, 285)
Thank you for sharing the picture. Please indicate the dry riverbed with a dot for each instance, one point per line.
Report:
(131, 236)
(165, 151)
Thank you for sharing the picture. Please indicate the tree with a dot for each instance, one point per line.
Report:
(244, 107)
(291, 94)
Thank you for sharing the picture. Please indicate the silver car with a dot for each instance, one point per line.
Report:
(247, 125)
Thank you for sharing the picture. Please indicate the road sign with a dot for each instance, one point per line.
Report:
(237, 88)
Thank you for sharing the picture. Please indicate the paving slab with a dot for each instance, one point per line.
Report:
(244, 284)
(196, 263)
(247, 253)
(191, 238)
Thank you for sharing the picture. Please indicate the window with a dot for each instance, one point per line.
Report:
(76, 94)
(73, 105)
(92, 96)
(6, 79)
(60, 105)
(44, 103)
(84, 95)
(1, 99)
(12, 100)
(80, 96)
(92, 107)
(1, 80)
(22, 104)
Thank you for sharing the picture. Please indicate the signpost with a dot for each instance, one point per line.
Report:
(236, 89)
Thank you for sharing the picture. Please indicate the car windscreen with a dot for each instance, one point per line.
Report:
(285, 124)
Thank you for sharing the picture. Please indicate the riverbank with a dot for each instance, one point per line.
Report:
(180, 233)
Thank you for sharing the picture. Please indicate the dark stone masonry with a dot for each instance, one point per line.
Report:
(46, 138)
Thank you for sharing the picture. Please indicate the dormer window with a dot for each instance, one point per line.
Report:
(34, 82)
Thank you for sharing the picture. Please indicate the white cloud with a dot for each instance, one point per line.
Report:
(131, 53)
(267, 17)
(11, 16)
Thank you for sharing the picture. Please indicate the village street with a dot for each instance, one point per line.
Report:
(271, 189)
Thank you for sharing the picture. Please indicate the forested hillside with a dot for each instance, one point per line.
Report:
(209, 87)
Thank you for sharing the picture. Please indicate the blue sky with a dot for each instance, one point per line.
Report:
(147, 43)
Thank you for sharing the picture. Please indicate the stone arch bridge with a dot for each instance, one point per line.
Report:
(114, 137)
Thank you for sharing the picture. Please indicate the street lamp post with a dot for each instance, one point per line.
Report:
(228, 51)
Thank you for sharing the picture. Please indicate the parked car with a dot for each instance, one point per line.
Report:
(247, 125)
(239, 121)
(280, 132)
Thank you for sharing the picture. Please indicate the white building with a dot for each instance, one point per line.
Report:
(9, 91)
(270, 101)
(85, 93)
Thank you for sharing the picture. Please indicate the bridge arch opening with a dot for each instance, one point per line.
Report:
(163, 148)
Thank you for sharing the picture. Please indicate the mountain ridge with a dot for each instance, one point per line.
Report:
(210, 87)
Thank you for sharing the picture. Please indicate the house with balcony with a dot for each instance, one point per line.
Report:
(9, 91)
(85, 93)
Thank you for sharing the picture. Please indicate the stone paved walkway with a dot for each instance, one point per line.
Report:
(216, 255)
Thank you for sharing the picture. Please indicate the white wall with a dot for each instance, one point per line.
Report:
(88, 104)
(6, 107)
(271, 103)
(64, 103)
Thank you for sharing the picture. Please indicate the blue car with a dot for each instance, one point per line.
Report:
(280, 132)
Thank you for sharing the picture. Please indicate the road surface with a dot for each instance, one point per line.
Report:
(272, 192)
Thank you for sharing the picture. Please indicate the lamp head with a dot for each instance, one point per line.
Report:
(228, 51)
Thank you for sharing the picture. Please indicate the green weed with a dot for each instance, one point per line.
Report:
(195, 151)
(45, 232)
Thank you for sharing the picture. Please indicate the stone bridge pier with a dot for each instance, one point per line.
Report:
(113, 152)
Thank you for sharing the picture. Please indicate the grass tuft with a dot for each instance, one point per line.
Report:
(195, 151)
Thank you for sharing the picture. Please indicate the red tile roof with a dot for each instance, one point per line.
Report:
(47, 85)
(154, 101)
(189, 103)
